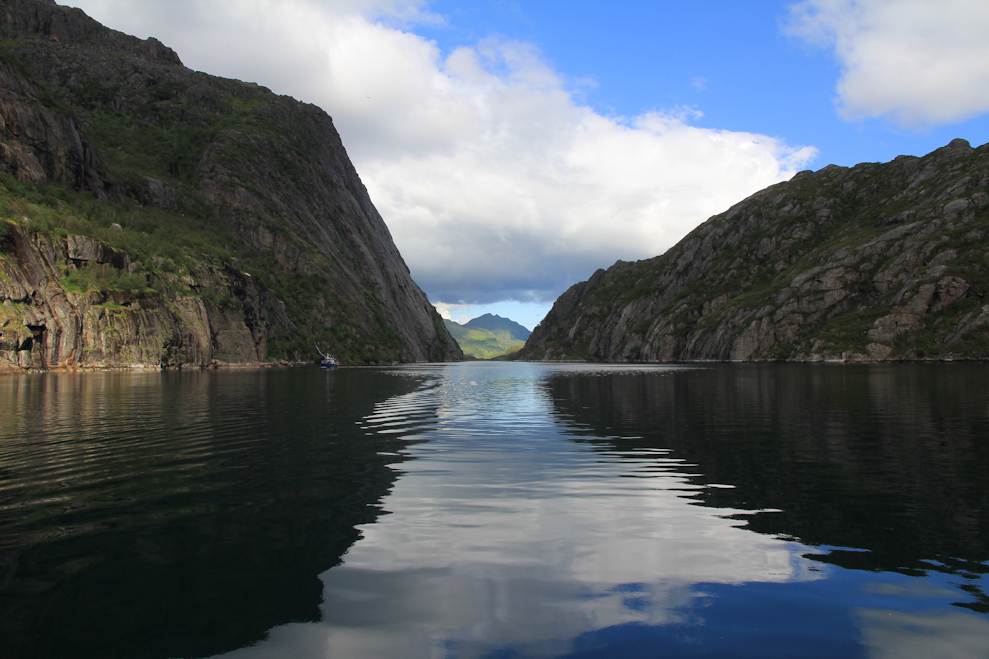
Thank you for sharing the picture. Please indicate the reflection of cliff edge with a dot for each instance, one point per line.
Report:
(876, 262)
(207, 556)
(87, 109)
(884, 458)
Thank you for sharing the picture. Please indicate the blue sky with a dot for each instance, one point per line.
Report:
(730, 60)
(515, 147)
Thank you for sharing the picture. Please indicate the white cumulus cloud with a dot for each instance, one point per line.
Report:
(496, 182)
(922, 63)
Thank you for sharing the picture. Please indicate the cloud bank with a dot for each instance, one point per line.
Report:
(496, 182)
(921, 63)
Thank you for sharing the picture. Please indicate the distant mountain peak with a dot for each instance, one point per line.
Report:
(493, 322)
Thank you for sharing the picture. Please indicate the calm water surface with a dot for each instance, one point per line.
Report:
(497, 510)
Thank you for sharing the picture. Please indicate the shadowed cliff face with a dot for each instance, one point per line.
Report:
(40, 143)
(90, 109)
(871, 263)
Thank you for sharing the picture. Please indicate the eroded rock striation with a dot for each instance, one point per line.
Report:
(234, 218)
(45, 324)
(876, 262)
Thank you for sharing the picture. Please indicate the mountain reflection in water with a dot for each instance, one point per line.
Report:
(178, 514)
(538, 510)
(891, 458)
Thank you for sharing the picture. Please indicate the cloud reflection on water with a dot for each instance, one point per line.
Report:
(506, 534)
(891, 634)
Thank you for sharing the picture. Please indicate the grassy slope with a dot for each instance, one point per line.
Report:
(482, 343)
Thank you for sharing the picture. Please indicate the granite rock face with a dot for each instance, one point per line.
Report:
(41, 145)
(94, 110)
(876, 262)
(44, 324)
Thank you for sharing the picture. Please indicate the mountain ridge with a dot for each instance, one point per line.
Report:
(231, 212)
(488, 336)
(876, 262)
(494, 322)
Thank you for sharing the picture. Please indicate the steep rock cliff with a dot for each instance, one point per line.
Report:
(874, 262)
(200, 179)
(47, 322)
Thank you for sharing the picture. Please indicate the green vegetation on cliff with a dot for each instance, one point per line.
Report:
(481, 343)
(196, 188)
(167, 249)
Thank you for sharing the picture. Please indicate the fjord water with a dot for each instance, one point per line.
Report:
(497, 510)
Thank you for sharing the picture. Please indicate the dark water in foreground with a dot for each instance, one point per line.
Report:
(497, 510)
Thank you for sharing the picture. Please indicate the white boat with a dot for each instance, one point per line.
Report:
(327, 361)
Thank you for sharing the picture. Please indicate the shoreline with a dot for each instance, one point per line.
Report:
(93, 368)
(837, 361)
(215, 365)
(212, 366)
